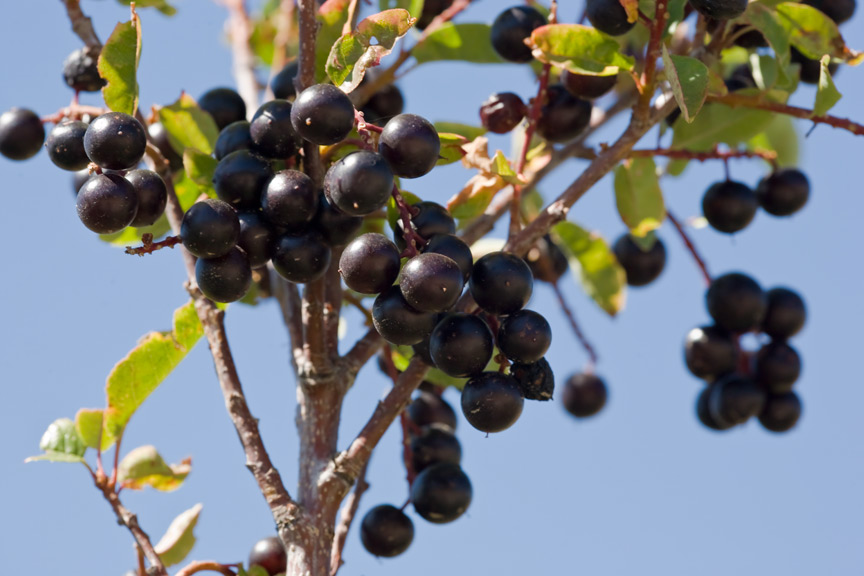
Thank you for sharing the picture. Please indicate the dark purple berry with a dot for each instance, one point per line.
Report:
(80, 178)
(271, 130)
(431, 282)
(501, 283)
(65, 145)
(323, 114)
(429, 409)
(80, 71)
(704, 414)
(609, 17)
(152, 196)
(584, 395)
(240, 178)
(289, 199)
(107, 203)
(749, 40)
(269, 553)
(432, 218)
(587, 86)
(719, 9)
(736, 302)
(786, 313)
(729, 206)
(784, 192)
(386, 531)
(431, 9)
(159, 138)
(502, 112)
(115, 141)
(369, 264)
(734, 399)
(524, 336)
(547, 261)
(441, 493)
(776, 367)
(210, 228)
(224, 105)
(235, 136)
(335, 227)
(257, 238)
(510, 30)
(641, 266)
(397, 321)
(536, 380)
(282, 84)
(492, 401)
(225, 278)
(301, 258)
(453, 247)
(385, 104)
(811, 69)
(838, 10)
(710, 351)
(436, 444)
(562, 116)
(781, 412)
(359, 183)
(410, 144)
(740, 79)
(461, 345)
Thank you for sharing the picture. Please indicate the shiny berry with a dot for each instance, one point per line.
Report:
(431, 282)
(641, 266)
(436, 444)
(115, 141)
(80, 71)
(453, 247)
(786, 313)
(323, 114)
(210, 228)
(776, 367)
(502, 112)
(282, 84)
(301, 258)
(501, 283)
(562, 116)
(736, 302)
(397, 321)
(225, 278)
(584, 395)
(410, 144)
(159, 138)
(240, 178)
(704, 414)
(461, 345)
(729, 206)
(510, 30)
(710, 351)
(369, 264)
(524, 336)
(492, 401)
(235, 136)
(152, 196)
(290, 199)
(269, 554)
(734, 399)
(547, 261)
(587, 86)
(385, 104)
(441, 493)
(271, 130)
(335, 227)
(838, 10)
(386, 531)
(429, 409)
(784, 192)
(224, 105)
(107, 203)
(257, 238)
(608, 16)
(359, 183)
(65, 145)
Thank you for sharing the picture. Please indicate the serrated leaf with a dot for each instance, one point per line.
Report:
(118, 66)
(88, 422)
(469, 132)
(354, 52)
(462, 42)
(812, 32)
(601, 276)
(131, 236)
(135, 377)
(827, 94)
(144, 466)
(161, 5)
(332, 16)
(179, 539)
(62, 437)
(719, 124)
(579, 49)
(780, 137)
(689, 80)
(451, 148)
(415, 7)
(188, 126)
(199, 167)
(638, 195)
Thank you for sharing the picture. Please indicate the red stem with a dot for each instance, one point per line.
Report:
(690, 246)
(577, 330)
(148, 246)
(412, 238)
(715, 154)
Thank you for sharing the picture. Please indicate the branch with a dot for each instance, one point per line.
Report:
(715, 154)
(206, 566)
(740, 100)
(82, 25)
(346, 518)
(244, 59)
(577, 330)
(130, 521)
(413, 240)
(690, 246)
(652, 53)
(332, 304)
(362, 351)
(149, 246)
(308, 30)
(288, 297)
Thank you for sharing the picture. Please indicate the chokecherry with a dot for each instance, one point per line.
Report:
(289, 199)
(502, 112)
(240, 178)
(269, 553)
(65, 145)
(257, 238)
(235, 136)
(410, 144)
(492, 401)
(729, 206)
(584, 394)
(587, 86)
(429, 409)
(301, 257)
(210, 228)
(271, 130)
(369, 264)
(736, 302)
(785, 315)
(461, 345)
(536, 380)
(107, 203)
(80, 71)
(510, 30)
(608, 16)
(524, 336)
(397, 321)
(710, 351)
(115, 141)
(152, 196)
(224, 105)
(563, 116)
(453, 247)
(435, 444)
(784, 192)
(776, 367)
(386, 531)
(359, 183)
(781, 412)
(641, 266)
(501, 283)
(431, 282)
(441, 493)
(323, 114)
(225, 278)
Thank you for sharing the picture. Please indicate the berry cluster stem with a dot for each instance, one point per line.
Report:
(74, 111)
(412, 238)
(690, 246)
(149, 246)
(577, 330)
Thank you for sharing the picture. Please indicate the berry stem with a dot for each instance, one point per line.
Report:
(74, 111)
(412, 238)
(577, 330)
(206, 566)
(715, 154)
(690, 246)
(82, 25)
(149, 246)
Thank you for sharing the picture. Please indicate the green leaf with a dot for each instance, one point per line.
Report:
(638, 195)
(254, 570)
(144, 466)
(88, 422)
(355, 51)
(689, 80)
(188, 126)
(602, 277)
(62, 437)
(161, 5)
(579, 49)
(415, 7)
(131, 236)
(200, 167)
(812, 32)
(781, 137)
(135, 377)
(187, 190)
(501, 167)
(764, 19)
(118, 65)
(332, 16)
(719, 124)
(451, 148)
(462, 42)
(179, 539)
(469, 132)
(827, 94)
(473, 205)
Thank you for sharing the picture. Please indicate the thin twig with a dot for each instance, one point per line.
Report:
(652, 53)
(743, 101)
(346, 518)
(74, 111)
(82, 26)
(577, 330)
(691, 247)
(206, 566)
(413, 240)
(362, 351)
(130, 521)
(702, 156)
(148, 246)
(410, 473)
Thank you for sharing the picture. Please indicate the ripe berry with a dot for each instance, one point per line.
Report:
(323, 114)
(608, 16)
(785, 315)
(749, 40)
(584, 395)
(546, 260)
(734, 399)
(776, 367)
(587, 86)
(369, 264)
(301, 258)
(429, 409)
(453, 247)
(115, 141)
(385, 104)
(159, 138)
(152, 196)
(225, 278)
(65, 145)
(510, 30)
(441, 493)
(235, 136)
(399, 323)
(386, 531)
(810, 69)
(224, 105)
(431, 9)
(421, 349)
(501, 283)
(563, 116)
(704, 414)
(536, 380)
(410, 144)
(282, 84)
(431, 282)
(736, 302)
(80, 178)
(436, 444)
(720, 9)
(210, 228)
(784, 192)
(257, 238)
(269, 553)
(271, 130)
(502, 112)
(21, 134)
(240, 178)
(641, 267)
(80, 71)
(781, 412)
(335, 227)
(290, 199)
(524, 336)
(359, 183)
(492, 402)
(729, 206)
(838, 10)
(710, 351)
(107, 203)
(461, 345)
(432, 218)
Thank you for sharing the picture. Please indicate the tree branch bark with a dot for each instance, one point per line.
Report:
(130, 521)
(82, 25)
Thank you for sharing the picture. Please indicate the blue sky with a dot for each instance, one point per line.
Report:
(640, 489)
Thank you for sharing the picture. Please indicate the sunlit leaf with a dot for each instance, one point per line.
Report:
(827, 94)
(462, 42)
(188, 126)
(638, 195)
(118, 65)
(144, 466)
(689, 80)
(179, 539)
(579, 48)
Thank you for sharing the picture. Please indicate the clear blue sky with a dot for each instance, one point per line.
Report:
(641, 489)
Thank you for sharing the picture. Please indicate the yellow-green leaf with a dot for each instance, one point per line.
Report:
(118, 66)
(451, 148)
(827, 94)
(161, 5)
(88, 422)
(200, 168)
(179, 539)
(188, 126)
(332, 16)
(638, 195)
(468, 132)
(579, 48)
(462, 42)
(144, 466)
(62, 436)
(812, 32)
(131, 236)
